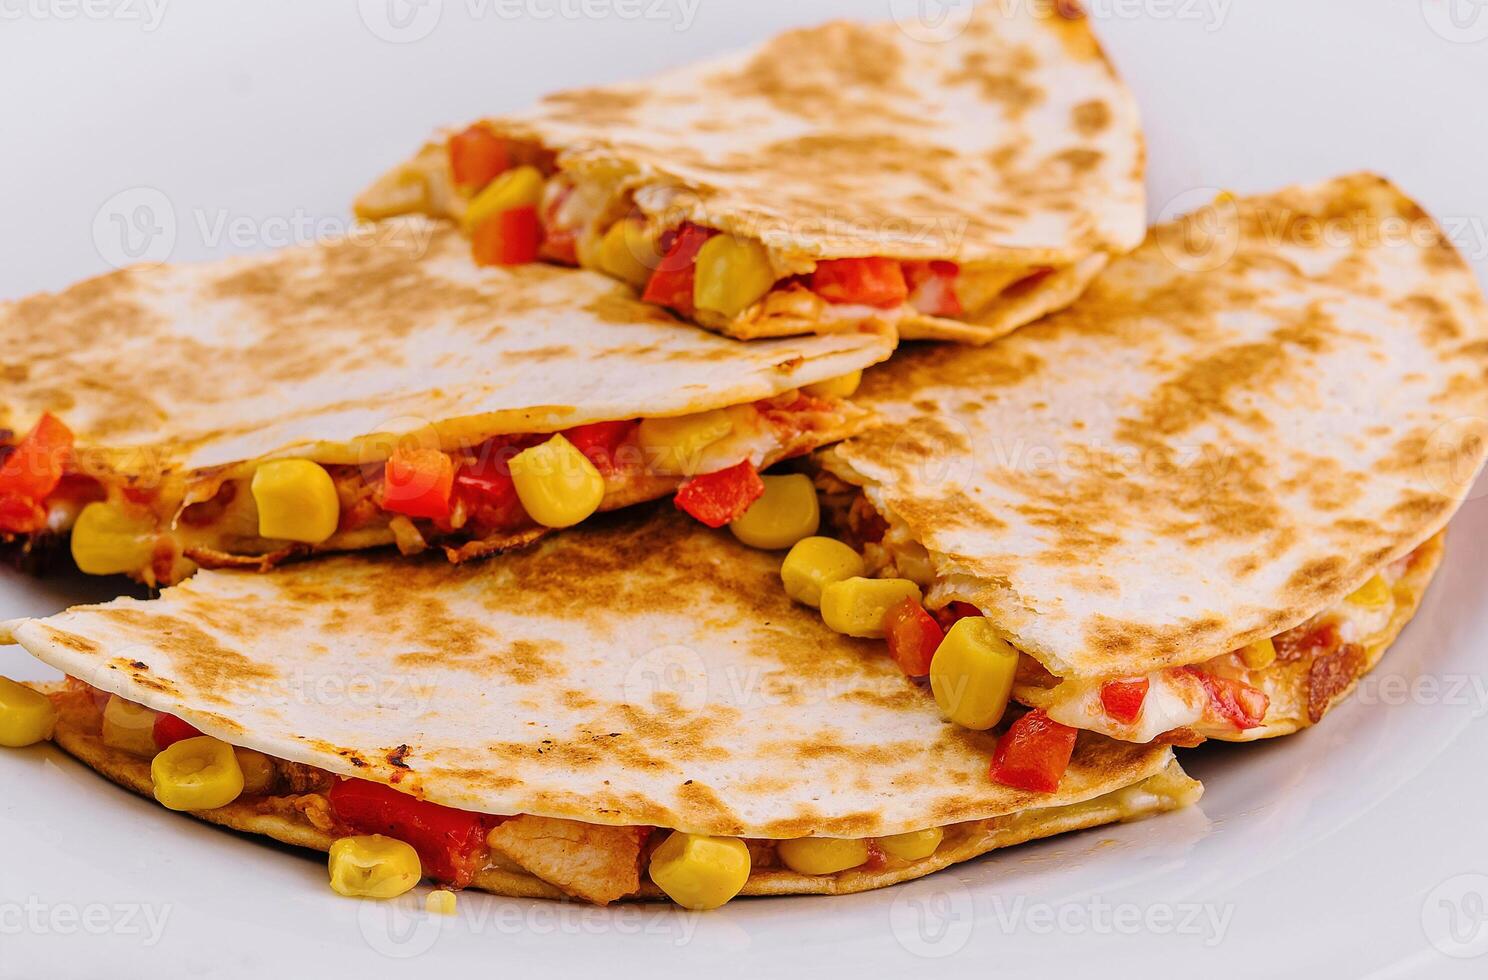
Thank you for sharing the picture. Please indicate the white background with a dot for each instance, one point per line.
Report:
(1357, 849)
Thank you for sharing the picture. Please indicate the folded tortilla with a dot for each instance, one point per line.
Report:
(1010, 150)
(177, 382)
(1250, 432)
(640, 672)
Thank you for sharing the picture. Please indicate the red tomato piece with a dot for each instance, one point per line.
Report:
(1237, 702)
(477, 156)
(451, 843)
(948, 614)
(1123, 699)
(913, 636)
(870, 282)
(418, 483)
(512, 237)
(601, 441)
(30, 473)
(169, 730)
(671, 284)
(560, 244)
(718, 498)
(486, 485)
(932, 287)
(1033, 754)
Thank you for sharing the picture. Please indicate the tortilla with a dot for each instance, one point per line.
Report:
(1241, 424)
(1009, 147)
(638, 671)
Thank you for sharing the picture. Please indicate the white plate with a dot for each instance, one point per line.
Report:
(1355, 849)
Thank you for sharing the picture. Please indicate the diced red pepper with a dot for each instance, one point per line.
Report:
(1033, 754)
(870, 282)
(512, 237)
(486, 485)
(169, 730)
(418, 483)
(932, 287)
(1237, 702)
(601, 441)
(913, 636)
(1123, 699)
(451, 843)
(31, 472)
(718, 498)
(671, 284)
(948, 614)
(477, 156)
(559, 244)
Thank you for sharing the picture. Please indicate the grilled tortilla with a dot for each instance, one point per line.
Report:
(1009, 155)
(177, 382)
(637, 673)
(1247, 436)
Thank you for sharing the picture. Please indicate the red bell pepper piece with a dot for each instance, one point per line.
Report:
(486, 485)
(870, 282)
(932, 287)
(913, 636)
(671, 284)
(451, 843)
(950, 613)
(1237, 702)
(169, 730)
(477, 156)
(1033, 754)
(30, 473)
(559, 244)
(1123, 699)
(718, 498)
(601, 441)
(512, 237)
(418, 483)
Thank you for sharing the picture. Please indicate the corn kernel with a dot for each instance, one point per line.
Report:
(842, 386)
(373, 866)
(628, 252)
(296, 501)
(108, 539)
(857, 606)
(26, 717)
(196, 774)
(673, 445)
(732, 274)
(815, 563)
(519, 187)
(259, 772)
(787, 513)
(700, 872)
(972, 673)
(1260, 654)
(129, 727)
(1374, 594)
(913, 846)
(822, 855)
(557, 484)
(440, 901)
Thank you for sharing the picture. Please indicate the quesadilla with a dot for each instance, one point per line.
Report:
(833, 177)
(370, 392)
(631, 710)
(1203, 501)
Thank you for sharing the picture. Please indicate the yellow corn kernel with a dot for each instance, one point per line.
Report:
(673, 445)
(519, 187)
(913, 846)
(787, 513)
(196, 774)
(26, 717)
(1260, 654)
(557, 484)
(1374, 594)
(373, 866)
(815, 563)
(628, 252)
(822, 855)
(440, 901)
(842, 386)
(129, 727)
(108, 539)
(296, 501)
(857, 606)
(259, 772)
(732, 274)
(971, 674)
(700, 872)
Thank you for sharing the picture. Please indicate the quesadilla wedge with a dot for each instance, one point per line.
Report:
(833, 177)
(1201, 502)
(627, 711)
(363, 393)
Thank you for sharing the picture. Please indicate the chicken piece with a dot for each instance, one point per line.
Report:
(597, 864)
